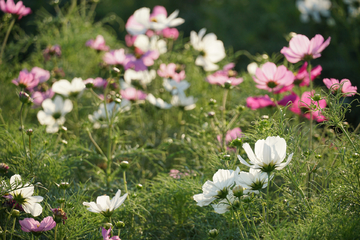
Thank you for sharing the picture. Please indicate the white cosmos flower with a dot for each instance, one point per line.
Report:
(54, 113)
(211, 50)
(223, 206)
(112, 108)
(65, 88)
(252, 181)
(175, 87)
(145, 44)
(158, 102)
(23, 195)
(104, 205)
(251, 68)
(269, 154)
(313, 8)
(180, 100)
(161, 21)
(218, 188)
(144, 77)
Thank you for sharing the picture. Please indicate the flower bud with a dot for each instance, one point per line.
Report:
(24, 97)
(124, 165)
(4, 168)
(316, 97)
(238, 191)
(355, 155)
(107, 226)
(63, 185)
(59, 215)
(139, 186)
(29, 132)
(318, 156)
(15, 213)
(241, 108)
(212, 102)
(63, 129)
(227, 157)
(227, 84)
(236, 142)
(120, 224)
(213, 233)
(64, 142)
(211, 114)
(60, 200)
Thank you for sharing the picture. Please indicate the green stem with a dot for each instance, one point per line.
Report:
(95, 144)
(268, 198)
(125, 182)
(22, 128)
(13, 228)
(347, 136)
(6, 38)
(238, 220)
(31, 159)
(83, 8)
(223, 109)
(6, 224)
(311, 113)
(55, 232)
(2, 120)
(57, 140)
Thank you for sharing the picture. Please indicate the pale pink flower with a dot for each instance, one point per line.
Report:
(226, 75)
(26, 80)
(133, 94)
(98, 44)
(231, 135)
(130, 40)
(106, 235)
(115, 57)
(174, 173)
(345, 85)
(40, 74)
(272, 78)
(52, 51)
(19, 9)
(141, 62)
(172, 33)
(31, 225)
(39, 96)
(96, 83)
(301, 48)
(171, 71)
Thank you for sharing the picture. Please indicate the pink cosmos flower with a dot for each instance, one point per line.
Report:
(132, 94)
(172, 33)
(98, 44)
(174, 173)
(26, 80)
(130, 40)
(170, 71)
(304, 105)
(31, 225)
(225, 75)
(345, 85)
(39, 96)
(52, 51)
(115, 57)
(106, 235)
(265, 101)
(141, 62)
(41, 74)
(19, 9)
(302, 77)
(231, 135)
(96, 83)
(301, 48)
(272, 78)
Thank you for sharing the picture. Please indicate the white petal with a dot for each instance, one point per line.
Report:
(62, 87)
(282, 165)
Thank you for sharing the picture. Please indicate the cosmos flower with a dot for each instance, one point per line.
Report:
(26, 80)
(104, 205)
(99, 117)
(132, 94)
(186, 103)
(226, 75)
(19, 9)
(158, 102)
(231, 135)
(306, 104)
(269, 154)
(175, 87)
(140, 62)
(344, 85)
(66, 88)
(210, 49)
(301, 48)
(115, 57)
(98, 44)
(313, 8)
(145, 44)
(142, 77)
(252, 181)
(171, 71)
(106, 235)
(31, 225)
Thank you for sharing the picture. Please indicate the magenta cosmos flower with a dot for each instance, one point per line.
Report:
(26, 80)
(231, 135)
(171, 71)
(226, 75)
(95, 83)
(302, 106)
(19, 9)
(133, 94)
(272, 78)
(334, 85)
(301, 48)
(265, 101)
(98, 44)
(31, 225)
(141, 62)
(106, 235)
(40, 96)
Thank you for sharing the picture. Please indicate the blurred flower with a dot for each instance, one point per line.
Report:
(39, 96)
(66, 88)
(3, 168)
(158, 102)
(226, 75)
(22, 194)
(223, 206)
(52, 51)
(251, 68)
(98, 44)
(211, 50)
(180, 100)
(115, 57)
(313, 8)
(26, 80)
(41, 74)
(144, 43)
(59, 215)
(129, 40)
(112, 108)
(301, 48)
(345, 85)
(252, 181)
(132, 94)
(269, 154)
(174, 173)
(272, 78)
(172, 33)
(140, 62)
(231, 135)
(259, 102)
(143, 77)
(171, 71)
(106, 235)
(19, 9)
(175, 87)
(218, 188)
(54, 113)
(95, 83)
(104, 205)
(31, 225)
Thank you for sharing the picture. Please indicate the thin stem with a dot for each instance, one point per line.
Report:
(57, 140)
(268, 198)
(95, 144)
(125, 182)
(22, 128)
(6, 224)
(238, 221)
(2, 120)
(92, 10)
(31, 159)
(347, 135)
(55, 231)
(76, 116)
(223, 109)
(311, 113)
(13, 228)
(6, 38)
(83, 8)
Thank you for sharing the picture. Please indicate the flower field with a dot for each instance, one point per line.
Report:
(153, 132)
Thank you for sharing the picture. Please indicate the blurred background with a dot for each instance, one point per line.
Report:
(253, 25)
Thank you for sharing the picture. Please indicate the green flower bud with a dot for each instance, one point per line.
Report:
(24, 97)
(318, 156)
(213, 233)
(64, 142)
(238, 191)
(120, 224)
(241, 108)
(63, 129)
(124, 165)
(60, 200)
(212, 102)
(316, 97)
(228, 85)
(107, 226)
(139, 186)
(227, 157)
(356, 155)
(29, 132)
(63, 185)
(15, 213)
(236, 142)
(211, 114)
